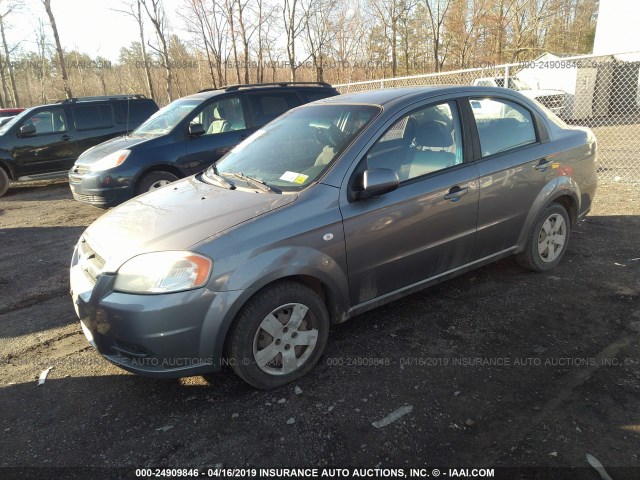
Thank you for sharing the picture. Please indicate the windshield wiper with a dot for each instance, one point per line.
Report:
(212, 174)
(257, 183)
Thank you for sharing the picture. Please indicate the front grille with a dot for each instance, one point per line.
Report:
(108, 197)
(552, 101)
(90, 262)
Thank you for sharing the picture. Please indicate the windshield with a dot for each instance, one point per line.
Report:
(293, 151)
(5, 128)
(165, 119)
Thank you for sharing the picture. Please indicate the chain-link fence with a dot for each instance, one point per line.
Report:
(601, 92)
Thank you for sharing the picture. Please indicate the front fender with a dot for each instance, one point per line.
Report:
(6, 162)
(277, 264)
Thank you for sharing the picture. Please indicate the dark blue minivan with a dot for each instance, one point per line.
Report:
(183, 138)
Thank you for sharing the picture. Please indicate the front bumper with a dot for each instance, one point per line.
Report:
(101, 189)
(166, 335)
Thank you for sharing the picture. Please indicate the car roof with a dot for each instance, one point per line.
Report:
(389, 97)
(209, 93)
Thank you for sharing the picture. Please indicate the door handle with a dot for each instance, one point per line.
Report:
(66, 137)
(243, 136)
(542, 165)
(455, 193)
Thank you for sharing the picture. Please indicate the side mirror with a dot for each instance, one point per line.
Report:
(196, 129)
(378, 181)
(27, 130)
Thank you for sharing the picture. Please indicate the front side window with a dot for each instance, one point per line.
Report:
(225, 115)
(51, 120)
(293, 151)
(422, 142)
(502, 125)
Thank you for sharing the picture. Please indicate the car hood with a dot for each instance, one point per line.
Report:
(105, 148)
(175, 217)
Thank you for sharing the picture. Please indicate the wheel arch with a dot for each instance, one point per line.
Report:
(562, 190)
(158, 167)
(5, 164)
(217, 329)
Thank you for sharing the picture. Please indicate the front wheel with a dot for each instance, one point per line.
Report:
(4, 182)
(547, 241)
(279, 336)
(154, 180)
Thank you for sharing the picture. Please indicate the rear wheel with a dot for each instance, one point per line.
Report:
(4, 182)
(154, 180)
(547, 240)
(279, 336)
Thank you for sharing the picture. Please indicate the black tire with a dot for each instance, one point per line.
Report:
(543, 252)
(4, 182)
(247, 334)
(153, 180)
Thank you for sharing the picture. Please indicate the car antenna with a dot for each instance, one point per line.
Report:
(127, 124)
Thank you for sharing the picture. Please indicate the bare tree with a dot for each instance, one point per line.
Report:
(155, 12)
(230, 7)
(437, 10)
(9, 8)
(390, 14)
(56, 38)
(134, 10)
(293, 25)
(319, 32)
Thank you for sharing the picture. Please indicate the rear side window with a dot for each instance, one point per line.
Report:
(268, 106)
(139, 111)
(89, 117)
(502, 125)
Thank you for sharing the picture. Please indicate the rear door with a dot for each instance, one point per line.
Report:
(225, 124)
(94, 123)
(52, 148)
(425, 227)
(514, 165)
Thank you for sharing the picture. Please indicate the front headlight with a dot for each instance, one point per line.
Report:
(163, 272)
(110, 161)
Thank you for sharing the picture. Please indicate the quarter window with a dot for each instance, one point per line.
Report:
(502, 125)
(422, 142)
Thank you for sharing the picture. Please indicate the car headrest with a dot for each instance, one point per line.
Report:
(434, 133)
(218, 113)
(410, 130)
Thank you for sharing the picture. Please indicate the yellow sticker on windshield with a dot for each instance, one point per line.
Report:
(300, 179)
(294, 177)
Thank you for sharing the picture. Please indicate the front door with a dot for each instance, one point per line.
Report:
(427, 225)
(225, 125)
(51, 148)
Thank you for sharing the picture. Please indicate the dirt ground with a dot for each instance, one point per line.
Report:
(502, 367)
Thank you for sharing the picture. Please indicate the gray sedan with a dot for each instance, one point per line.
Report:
(333, 209)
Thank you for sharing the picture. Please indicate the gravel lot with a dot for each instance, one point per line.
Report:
(502, 367)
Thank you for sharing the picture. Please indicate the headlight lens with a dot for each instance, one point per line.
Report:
(163, 272)
(110, 161)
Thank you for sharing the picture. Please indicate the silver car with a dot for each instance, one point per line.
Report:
(329, 211)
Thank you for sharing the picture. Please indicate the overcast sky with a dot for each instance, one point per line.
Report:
(89, 26)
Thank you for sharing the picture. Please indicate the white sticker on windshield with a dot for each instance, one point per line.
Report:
(294, 177)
